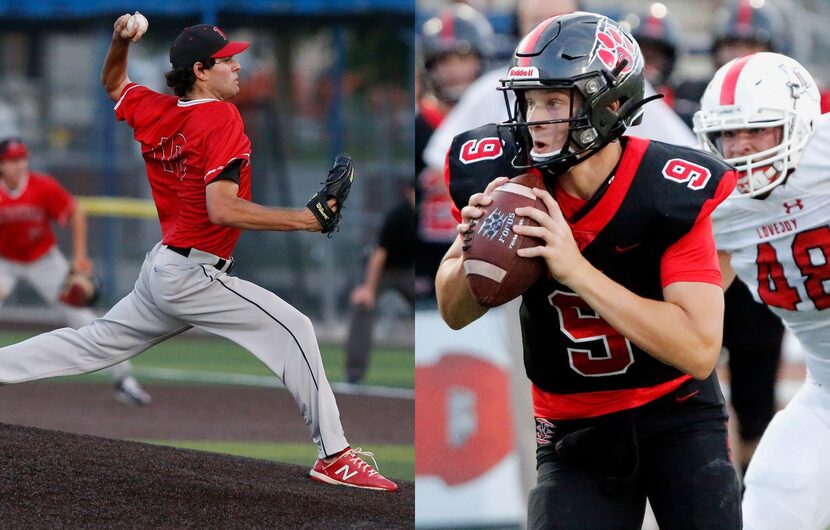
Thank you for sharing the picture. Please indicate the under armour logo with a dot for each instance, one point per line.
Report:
(796, 204)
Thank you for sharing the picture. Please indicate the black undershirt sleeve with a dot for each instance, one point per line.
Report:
(231, 171)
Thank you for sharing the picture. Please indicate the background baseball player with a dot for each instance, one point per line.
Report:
(29, 203)
(198, 163)
(761, 113)
(390, 266)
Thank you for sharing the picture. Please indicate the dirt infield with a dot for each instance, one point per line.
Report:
(52, 479)
(228, 413)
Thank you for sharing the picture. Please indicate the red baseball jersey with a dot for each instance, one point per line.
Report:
(26, 213)
(185, 145)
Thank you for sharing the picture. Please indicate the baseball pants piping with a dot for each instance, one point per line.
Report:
(172, 294)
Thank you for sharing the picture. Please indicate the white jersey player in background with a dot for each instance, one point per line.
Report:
(761, 113)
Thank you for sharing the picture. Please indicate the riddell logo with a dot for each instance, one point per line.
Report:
(219, 31)
(523, 72)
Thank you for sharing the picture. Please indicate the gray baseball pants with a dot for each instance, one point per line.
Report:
(172, 294)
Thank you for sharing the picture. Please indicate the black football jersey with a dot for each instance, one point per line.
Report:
(655, 197)
(477, 157)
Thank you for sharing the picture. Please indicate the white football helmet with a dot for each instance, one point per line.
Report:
(760, 91)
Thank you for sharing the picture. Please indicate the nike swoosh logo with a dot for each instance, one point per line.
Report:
(621, 248)
(681, 399)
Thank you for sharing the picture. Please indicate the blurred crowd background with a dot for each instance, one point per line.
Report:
(683, 42)
(798, 26)
(320, 77)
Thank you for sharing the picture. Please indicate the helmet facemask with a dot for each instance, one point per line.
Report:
(760, 91)
(760, 172)
(593, 123)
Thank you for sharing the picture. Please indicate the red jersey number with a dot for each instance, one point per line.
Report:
(170, 155)
(811, 254)
(682, 171)
(481, 149)
(606, 352)
(772, 284)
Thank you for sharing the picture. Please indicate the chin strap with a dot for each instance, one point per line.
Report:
(637, 106)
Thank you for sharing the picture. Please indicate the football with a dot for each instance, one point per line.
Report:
(495, 272)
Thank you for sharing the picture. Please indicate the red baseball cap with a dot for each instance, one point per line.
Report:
(200, 42)
(13, 149)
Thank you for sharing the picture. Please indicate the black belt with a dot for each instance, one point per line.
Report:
(186, 252)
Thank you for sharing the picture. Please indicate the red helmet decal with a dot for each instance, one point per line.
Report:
(219, 31)
(528, 43)
(612, 47)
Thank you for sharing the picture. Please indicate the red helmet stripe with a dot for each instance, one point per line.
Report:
(744, 14)
(447, 25)
(727, 91)
(655, 27)
(529, 42)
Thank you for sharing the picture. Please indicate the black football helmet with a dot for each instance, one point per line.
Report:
(587, 54)
(460, 29)
(758, 22)
(653, 27)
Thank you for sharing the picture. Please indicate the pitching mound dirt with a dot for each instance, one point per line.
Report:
(51, 479)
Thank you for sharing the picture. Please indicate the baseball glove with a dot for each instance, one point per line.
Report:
(79, 290)
(337, 187)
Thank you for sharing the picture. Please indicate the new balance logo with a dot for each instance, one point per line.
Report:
(345, 471)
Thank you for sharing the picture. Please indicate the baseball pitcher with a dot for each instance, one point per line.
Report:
(198, 164)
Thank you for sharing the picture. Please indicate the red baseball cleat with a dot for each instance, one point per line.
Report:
(349, 470)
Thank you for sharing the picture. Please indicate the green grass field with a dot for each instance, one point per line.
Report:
(389, 367)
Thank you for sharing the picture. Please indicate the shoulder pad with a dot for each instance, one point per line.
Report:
(665, 151)
(477, 157)
(689, 182)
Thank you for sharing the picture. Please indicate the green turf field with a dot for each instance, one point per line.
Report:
(395, 461)
(388, 367)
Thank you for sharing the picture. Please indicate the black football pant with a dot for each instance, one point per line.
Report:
(752, 334)
(596, 474)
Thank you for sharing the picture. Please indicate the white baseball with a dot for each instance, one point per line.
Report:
(139, 19)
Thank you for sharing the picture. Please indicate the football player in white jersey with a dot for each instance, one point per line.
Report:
(761, 113)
